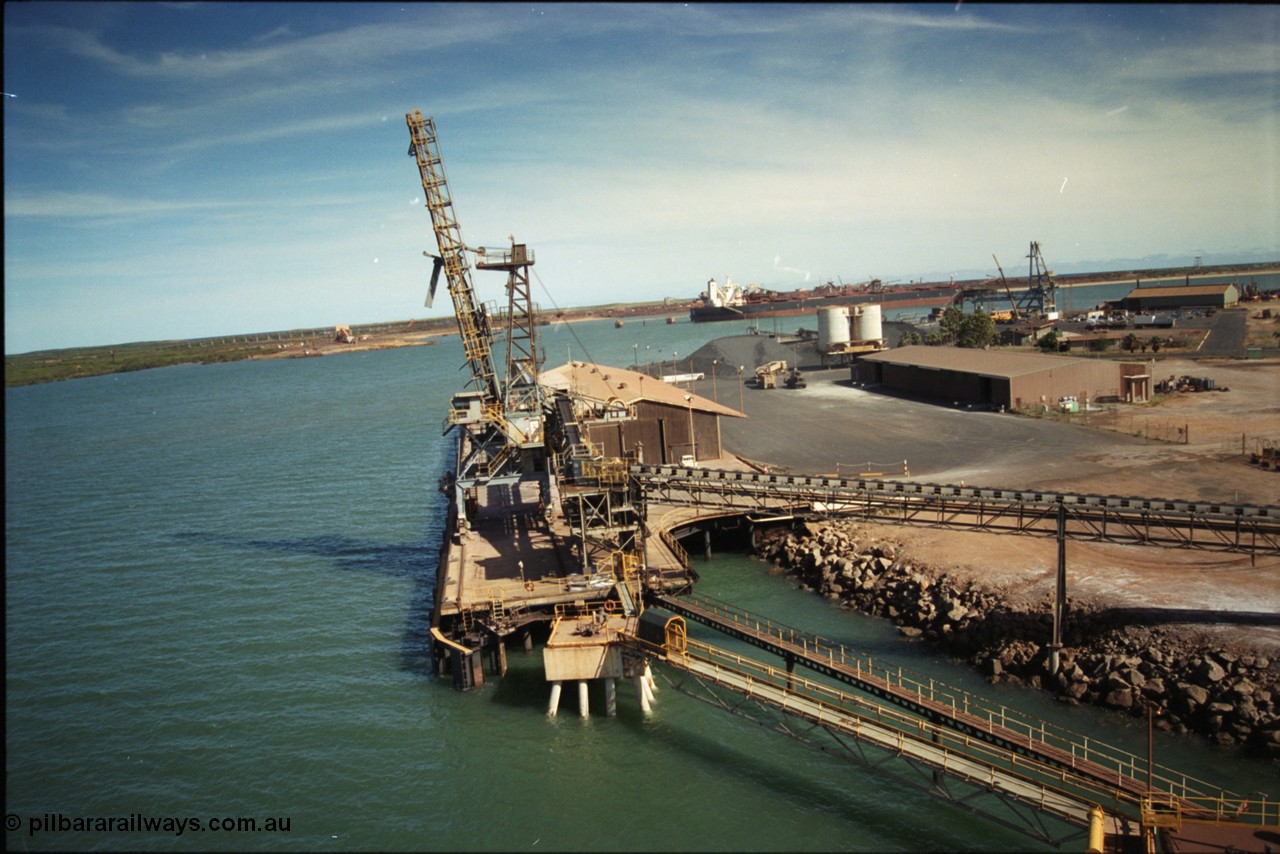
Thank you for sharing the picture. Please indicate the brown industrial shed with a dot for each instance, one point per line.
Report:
(1000, 378)
(623, 411)
(1180, 296)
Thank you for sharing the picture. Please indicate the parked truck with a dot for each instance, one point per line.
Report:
(767, 374)
(1152, 321)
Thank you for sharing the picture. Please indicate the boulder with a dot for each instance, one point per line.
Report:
(1133, 676)
(1209, 672)
(1243, 688)
(1120, 698)
(1116, 681)
(1154, 690)
(1194, 693)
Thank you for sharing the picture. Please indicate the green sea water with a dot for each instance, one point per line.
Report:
(218, 582)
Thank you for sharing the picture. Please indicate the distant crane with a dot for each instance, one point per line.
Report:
(1013, 305)
(1037, 302)
(1040, 299)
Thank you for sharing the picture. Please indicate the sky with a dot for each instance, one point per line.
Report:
(185, 170)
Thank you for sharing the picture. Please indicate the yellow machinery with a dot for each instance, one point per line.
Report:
(767, 374)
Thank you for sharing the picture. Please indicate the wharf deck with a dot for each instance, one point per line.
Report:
(512, 553)
(515, 556)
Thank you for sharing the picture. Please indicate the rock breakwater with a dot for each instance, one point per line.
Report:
(1229, 695)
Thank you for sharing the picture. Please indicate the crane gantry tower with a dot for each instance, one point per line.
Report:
(1040, 300)
(503, 415)
(1037, 303)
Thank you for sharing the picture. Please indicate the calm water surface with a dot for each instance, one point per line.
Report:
(218, 582)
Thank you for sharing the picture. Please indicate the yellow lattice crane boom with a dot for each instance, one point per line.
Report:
(473, 322)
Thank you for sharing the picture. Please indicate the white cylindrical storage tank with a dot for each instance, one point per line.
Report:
(869, 326)
(833, 327)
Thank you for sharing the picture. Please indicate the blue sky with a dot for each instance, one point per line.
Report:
(177, 170)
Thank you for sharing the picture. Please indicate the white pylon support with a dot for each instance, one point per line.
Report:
(584, 705)
(610, 698)
(643, 693)
(554, 705)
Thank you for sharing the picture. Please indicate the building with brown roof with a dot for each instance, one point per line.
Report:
(999, 378)
(1182, 296)
(626, 412)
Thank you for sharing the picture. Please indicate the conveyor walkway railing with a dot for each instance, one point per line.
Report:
(1045, 788)
(1247, 528)
(938, 704)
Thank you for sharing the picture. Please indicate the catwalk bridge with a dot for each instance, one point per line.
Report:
(983, 757)
(1213, 526)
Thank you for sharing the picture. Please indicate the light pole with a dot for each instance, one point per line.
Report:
(740, 409)
(646, 358)
(714, 396)
(635, 356)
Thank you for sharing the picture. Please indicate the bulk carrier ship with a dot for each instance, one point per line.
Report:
(731, 301)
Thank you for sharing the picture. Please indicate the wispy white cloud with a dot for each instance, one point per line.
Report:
(71, 205)
(958, 19)
(660, 143)
(273, 53)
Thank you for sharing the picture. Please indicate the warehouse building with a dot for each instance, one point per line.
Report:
(1182, 296)
(998, 379)
(627, 413)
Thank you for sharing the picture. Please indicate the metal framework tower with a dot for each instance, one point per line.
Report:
(520, 389)
(1040, 300)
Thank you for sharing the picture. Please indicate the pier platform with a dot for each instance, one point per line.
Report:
(513, 553)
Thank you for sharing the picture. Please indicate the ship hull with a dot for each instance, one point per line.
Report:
(891, 298)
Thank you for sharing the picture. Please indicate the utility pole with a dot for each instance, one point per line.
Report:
(1060, 592)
